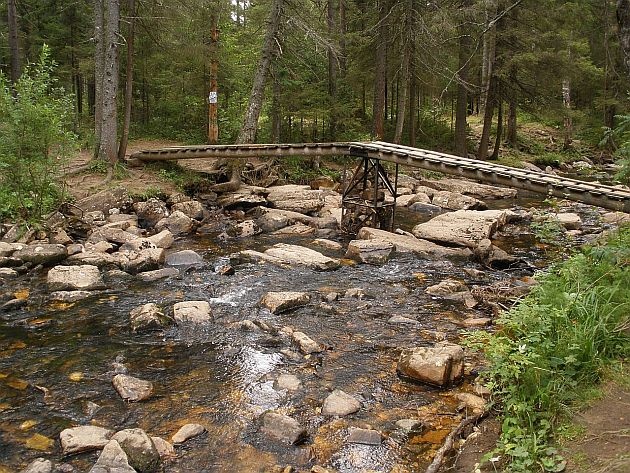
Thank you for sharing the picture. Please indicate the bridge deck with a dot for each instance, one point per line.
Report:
(572, 189)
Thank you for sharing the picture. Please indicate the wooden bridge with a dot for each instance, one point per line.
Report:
(363, 196)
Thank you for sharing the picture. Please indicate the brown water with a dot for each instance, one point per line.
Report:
(57, 359)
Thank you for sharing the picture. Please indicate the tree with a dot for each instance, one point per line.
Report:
(623, 19)
(133, 13)
(465, 40)
(14, 47)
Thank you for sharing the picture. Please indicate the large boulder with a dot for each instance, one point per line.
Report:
(140, 449)
(474, 189)
(409, 243)
(132, 389)
(148, 317)
(278, 302)
(102, 202)
(569, 220)
(296, 198)
(293, 255)
(196, 312)
(39, 465)
(45, 253)
(439, 365)
(112, 459)
(92, 258)
(140, 261)
(113, 235)
(457, 201)
(246, 197)
(84, 438)
(74, 278)
(192, 209)
(370, 251)
(150, 212)
(463, 227)
(493, 256)
(306, 344)
(177, 223)
(282, 427)
(184, 259)
(339, 403)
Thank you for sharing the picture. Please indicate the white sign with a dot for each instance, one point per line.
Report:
(212, 97)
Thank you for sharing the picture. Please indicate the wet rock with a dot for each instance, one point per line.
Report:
(133, 262)
(370, 251)
(282, 427)
(438, 365)
(132, 389)
(246, 229)
(13, 304)
(196, 312)
(328, 244)
(141, 452)
(184, 259)
(493, 256)
(410, 199)
(425, 209)
(570, 221)
(92, 258)
(480, 191)
(306, 344)
(321, 469)
(296, 198)
(101, 202)
(470, 401)
(69, 296)
(192, 209)
(457, 201)
(112, 235)
(39, 465)
(95, 217)
(365, 436)
(446, 287)
(409, 425)
(296, 217)
(298, 229)
(338, 403)
(8, 273)
(187, 432)
(287, 382)
(272, 221)
(278, 302)
(112, 459)
(163, 239)
(475, 322)
(45, 253)
(246, 197)
(463, 227)
(148, 317)
(84, 439)
(294, 255)
(354, 292)
(617, 218)
(399, 319)
(165, 449)
(157, 274)
(150, 212)
(409, 243)
(177, 223)
(74, 278)
(225, 270)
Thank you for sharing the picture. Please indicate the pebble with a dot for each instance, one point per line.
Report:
(187, 432)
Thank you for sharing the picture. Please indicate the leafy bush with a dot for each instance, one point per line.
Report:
(35, 139)
(619, 138)
(554, 345)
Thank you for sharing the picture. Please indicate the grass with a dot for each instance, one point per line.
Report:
(551, 349)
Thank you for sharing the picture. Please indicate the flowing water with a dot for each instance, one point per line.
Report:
(57, 361)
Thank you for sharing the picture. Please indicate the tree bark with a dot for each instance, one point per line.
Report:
(122, 148)
(380, 79)
(14, 47)
(487, 119)
(213, 105)
(332, 69)
(413, 103)
(99, 72)
(623, 19)
(461, 113)
(276, 115)
(568, 121)
(499, 137)
(488, 54)
(403, 89)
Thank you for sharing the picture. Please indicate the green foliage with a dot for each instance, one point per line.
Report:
(35, 139)
(554, 346)
(181, 177)
(549, 230)
(620, 137)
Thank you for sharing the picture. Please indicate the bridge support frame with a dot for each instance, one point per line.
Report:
(364, 202)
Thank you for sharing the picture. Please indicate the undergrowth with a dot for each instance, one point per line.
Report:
(554, 346)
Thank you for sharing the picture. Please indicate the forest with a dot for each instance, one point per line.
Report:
(312, 70)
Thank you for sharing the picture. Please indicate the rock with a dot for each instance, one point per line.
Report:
(192, 209)
(39, 465)
(225, 270)
(84, 439)
(100, 247)
(321, 469)
(95, 217)
(409, 425)
(246, 197)
(177, 223)
(474, 189)
(399, 319)
(59, 237)
(446, 287)
(272, 221)
(617, 218)
(293, 255)
(148, 317)
(130, 219)
(7, 249)
(101, 202)
(133, 262)
(278, 302)
(370, 251)
(165, 449)
(187, 432)
(570, 221)
(8, 273)
(287, 382)
(157, 274)
(196, 312)
(328, 244)
(184, 259)
(163, 239)
(13, 304)
(296, 198)
(457, 201)
(306, 344)
(493, 256)
(112, 235)
(470, 401)
(410, 199)
(282, 427)
(409, 243)
(112, 459)
(10, 262)
(425, 209)
(92, 258)
(322, 182)
(365, 436)
(69, 296)
(338, 403)
(299, 229)
(132, 389)
(84, 277)
(45, 253)
(462, 228)
(141, 452)
(354, 292)
(246, 229)
(439, 365)
(150, 212)
(475, 322)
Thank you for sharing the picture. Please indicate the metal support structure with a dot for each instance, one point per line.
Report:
(365, 199)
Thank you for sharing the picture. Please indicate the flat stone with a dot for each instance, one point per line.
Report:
(69, 296)
(365, 436)
(410, 199)
(283, 254)
(306, 344)
(165, 449)
(163, 239)
(196, 312)
(328, 244)
(456, 201)
(446, 287)
(438, 365)
(59, 237)
(246, 229)
(480, 191)
(409, 425)
(148, 317)
(278, 302)
(338, 403)
(463, 227)
(354, 292)
(373, 251)
(570, 221)
(282, 427)
(298, 229)
(84, 439)
(7, 249)
(426, 209)
(133, 262)
(192, 209)
(112, 459)
(473, 322)
(45, 253)
(157, 274)
(493, 256)
(177, 223)
(399, 319)
(92, 258)
(101, 202)
(132, 219)
(132, 389)
(184, 258)
(74, 278)
(296, 198)
(112, 235)
(411, 244)
(246, 197)
(187, 432)
(39, 465)
(140, 449)
(287, 382)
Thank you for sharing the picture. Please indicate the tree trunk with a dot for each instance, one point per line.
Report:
(487, 119)
(403, 88)
(623, 19)
(343, 59)
(14, 47)
(380, 80)
(568, 121)
(99, 72)
(461, 114)
(498, 138)
(122, 148)
(213, 105)
(332, 70)
(276, 115)
(488, 55)
(413, 103)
